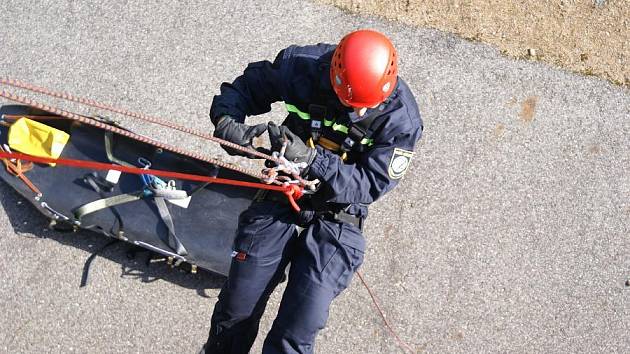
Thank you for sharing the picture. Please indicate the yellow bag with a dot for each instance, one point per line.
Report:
(37, 139)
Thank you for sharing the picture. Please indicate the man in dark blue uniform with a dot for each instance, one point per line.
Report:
(354, 124)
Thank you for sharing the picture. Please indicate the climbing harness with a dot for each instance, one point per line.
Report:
(355, 136)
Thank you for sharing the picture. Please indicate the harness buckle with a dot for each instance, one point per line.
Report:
(348, 144)
(318, 114)
(316, 129)
(343, 216)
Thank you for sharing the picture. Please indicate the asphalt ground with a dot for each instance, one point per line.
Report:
(510, 232)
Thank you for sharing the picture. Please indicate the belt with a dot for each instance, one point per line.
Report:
(335, 216)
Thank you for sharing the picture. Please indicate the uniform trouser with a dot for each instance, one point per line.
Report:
(323, 259)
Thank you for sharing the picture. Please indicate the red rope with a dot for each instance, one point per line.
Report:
(406, 347)
(292, 192)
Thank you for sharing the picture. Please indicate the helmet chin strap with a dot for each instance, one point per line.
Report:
(360, 111)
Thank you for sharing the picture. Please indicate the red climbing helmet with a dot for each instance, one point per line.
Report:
(363, 70)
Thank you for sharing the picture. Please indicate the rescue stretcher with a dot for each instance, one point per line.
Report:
(186, 221)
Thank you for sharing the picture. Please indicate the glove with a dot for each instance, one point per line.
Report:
(242, 134)
(296, 150)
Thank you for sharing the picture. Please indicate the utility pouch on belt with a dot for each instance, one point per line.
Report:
(37, 139)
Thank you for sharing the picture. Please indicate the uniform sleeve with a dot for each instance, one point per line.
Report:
(377, 172)
(252, 93)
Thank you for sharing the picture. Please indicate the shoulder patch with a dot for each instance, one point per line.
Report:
(399, 163)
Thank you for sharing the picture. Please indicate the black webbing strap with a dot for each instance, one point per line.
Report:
(358, 131)
(88, 262)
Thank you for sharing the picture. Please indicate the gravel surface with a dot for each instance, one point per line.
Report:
(591, 37)
(510, 233)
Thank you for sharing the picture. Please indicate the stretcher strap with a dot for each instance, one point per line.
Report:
(109, 150)
(160, 201)
(101, 186)
(90, 259)
(105, 203)
(173, 240)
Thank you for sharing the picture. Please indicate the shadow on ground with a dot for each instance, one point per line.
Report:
(135, 262)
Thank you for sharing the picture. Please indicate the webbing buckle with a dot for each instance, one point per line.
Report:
(316, 129)
(318, 114)
(348, 144)
(348, 218)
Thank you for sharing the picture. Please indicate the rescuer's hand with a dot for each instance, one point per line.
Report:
(296, 150)
(242, 134)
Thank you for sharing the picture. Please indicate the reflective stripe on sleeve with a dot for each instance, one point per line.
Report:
(293, 109)
(340, 128)
(368, 142)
